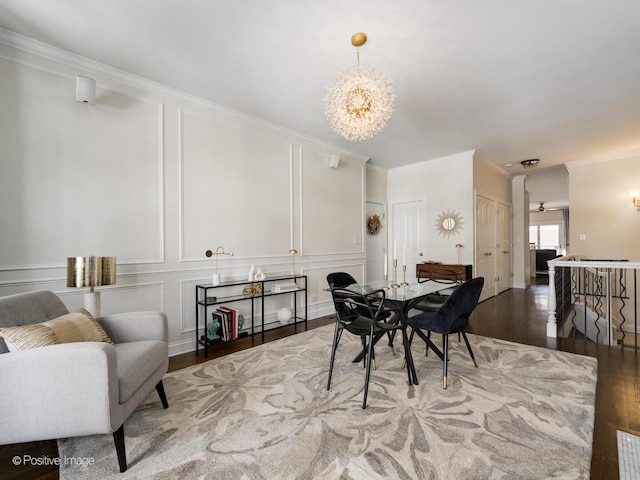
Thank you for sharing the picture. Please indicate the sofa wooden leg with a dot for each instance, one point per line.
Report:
(118, 438)
(163, 397)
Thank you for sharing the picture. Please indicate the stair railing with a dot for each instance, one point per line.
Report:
(603, 292)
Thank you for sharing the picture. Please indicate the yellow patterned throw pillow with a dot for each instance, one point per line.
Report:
(79, 326)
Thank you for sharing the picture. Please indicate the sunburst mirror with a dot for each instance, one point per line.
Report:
(449, 223)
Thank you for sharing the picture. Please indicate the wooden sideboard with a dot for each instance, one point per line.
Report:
(461, 272)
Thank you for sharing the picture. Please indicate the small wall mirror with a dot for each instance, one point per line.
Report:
(449, 223)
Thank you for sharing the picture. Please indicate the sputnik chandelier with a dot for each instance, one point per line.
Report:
(360, 101)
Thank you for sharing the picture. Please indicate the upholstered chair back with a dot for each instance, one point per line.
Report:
(29, 308)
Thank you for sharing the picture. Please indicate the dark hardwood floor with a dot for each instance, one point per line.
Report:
(515, 315)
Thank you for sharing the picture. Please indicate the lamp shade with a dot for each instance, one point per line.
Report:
(91, 271)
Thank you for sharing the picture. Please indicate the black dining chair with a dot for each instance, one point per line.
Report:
(340, 279)
(343, 280)
(361, 314)
(451, 317)
(434, 301)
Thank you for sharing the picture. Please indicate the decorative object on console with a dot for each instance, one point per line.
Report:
(374, 224)
(252, 290)
(252, 273)
(284, 287)
(213, 327)
(293, 252)
(215, 278)
(449, 223)
(360, 101)
(284, 315)
(91, 272)
(259, 275)
(458, 247)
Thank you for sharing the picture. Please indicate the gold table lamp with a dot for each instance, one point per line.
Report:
(91, 272)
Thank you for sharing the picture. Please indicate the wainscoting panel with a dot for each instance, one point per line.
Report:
(64, 184)
(334, 225)
(235, 190)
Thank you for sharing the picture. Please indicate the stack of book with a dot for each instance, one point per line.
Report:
(283, 287)
(228, 319)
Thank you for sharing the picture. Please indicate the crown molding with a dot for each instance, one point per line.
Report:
(591, 161)
(44, 50)
(468, 155)
(479, 156)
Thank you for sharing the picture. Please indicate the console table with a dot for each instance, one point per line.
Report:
(462, 272)
(206, 297)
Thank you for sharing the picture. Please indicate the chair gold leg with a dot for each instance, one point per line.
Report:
(445, 383)
(374, 364)
(426, 352)
(475, 363)
(393, 350)
(404, 363)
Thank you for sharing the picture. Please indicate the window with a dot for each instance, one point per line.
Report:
(546, 236)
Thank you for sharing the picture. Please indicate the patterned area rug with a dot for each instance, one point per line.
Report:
(265, 413)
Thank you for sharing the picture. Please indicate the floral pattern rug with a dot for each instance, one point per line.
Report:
(265, 413)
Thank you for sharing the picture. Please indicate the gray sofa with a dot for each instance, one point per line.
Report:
(83, 388)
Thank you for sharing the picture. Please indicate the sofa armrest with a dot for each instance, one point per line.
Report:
(57, 391)
(135, 326)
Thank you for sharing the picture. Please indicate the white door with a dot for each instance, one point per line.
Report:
(486, 245)
(375, 244)
(503, 247)
(407, 237)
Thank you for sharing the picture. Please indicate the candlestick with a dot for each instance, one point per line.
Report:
(385, 286)
(385, 264)
(404, 276)
(395, 274)
(395, 253)
(404, 254)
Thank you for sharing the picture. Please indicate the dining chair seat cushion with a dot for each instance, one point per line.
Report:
(362, 326)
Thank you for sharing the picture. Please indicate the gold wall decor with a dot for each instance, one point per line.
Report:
(449, 223)
(374, 224)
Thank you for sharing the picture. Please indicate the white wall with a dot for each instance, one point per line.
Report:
(601, 208)
(489, 181)
(445, 184)
(156, 178)
(376, 184)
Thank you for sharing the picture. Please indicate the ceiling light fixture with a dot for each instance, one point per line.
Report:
(360, 101)
(530, 163)
(541, 207)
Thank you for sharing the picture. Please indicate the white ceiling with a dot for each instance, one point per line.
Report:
(557, 80)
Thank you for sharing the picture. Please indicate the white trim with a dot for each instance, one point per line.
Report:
(590, 161)
(35, 47)
(456, 156)
(487, 162)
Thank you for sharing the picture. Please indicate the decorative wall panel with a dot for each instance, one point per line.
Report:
(332, 205)
(236, 190)
(75, 176)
